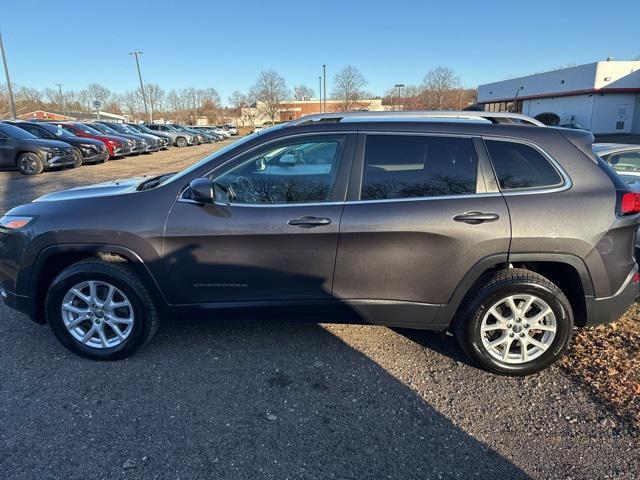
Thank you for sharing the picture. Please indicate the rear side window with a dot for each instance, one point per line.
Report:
(406, 166)
(521, 166)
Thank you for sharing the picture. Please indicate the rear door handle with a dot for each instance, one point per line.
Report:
(309, 222)
(475, 218)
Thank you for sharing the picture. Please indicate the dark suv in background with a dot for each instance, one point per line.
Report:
(86, 150)
(30, 154)
(496, 228)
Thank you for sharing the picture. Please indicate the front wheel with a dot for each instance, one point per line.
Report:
(181, 142)
(515, 322)
(30, 164)
(78, 154)
(101, 309)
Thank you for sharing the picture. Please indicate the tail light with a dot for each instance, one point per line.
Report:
(629, 203)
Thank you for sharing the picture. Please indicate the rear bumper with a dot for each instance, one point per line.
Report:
(609, 309)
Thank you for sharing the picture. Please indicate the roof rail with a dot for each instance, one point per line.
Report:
(493, 117)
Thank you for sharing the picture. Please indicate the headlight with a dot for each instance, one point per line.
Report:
(14, 222)
(87, 146)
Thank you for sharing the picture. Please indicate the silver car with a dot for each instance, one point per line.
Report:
(180, 138)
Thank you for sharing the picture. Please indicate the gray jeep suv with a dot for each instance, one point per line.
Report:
(492, 226)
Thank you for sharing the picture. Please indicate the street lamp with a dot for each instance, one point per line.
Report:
(144, 96)
(399, 86)
(320, 93)
(62, 104)
(324, 75)
(6, 74)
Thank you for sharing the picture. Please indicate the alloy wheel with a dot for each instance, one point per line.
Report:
(28, 164)
(97, 314)
(518, 329)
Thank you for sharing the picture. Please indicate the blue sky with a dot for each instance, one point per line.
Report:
(225, 44)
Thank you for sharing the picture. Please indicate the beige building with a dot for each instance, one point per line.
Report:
(294, 109)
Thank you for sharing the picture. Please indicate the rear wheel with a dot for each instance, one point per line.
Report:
(101, 309)
(181, 142)
(515, 322)
(30, 164)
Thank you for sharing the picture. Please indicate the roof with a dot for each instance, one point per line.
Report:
(448, 116)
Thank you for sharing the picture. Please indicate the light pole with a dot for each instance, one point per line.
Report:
(320, 93)
(399, 86)
(324, 93)
(144, 96)
(6, 74)
(62, 105)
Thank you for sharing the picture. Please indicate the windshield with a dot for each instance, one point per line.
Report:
(15, 132)
(88, 129)
(105, 129)
(179, 128)
(57, 130)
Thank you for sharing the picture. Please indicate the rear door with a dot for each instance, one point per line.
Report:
(421, 211)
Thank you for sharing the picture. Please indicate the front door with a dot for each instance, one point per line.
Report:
(272, 234)
(7, 151)
(419, 219)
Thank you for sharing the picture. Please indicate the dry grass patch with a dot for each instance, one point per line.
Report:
(605, 358)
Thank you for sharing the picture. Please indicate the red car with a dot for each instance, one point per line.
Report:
(117, 146)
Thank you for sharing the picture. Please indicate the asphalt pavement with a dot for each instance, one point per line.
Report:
(284, 399)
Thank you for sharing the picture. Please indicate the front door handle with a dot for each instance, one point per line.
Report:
(474, 218)
(309, 222)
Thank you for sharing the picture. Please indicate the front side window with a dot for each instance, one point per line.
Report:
(406, 166)
(300, 172)
(625, 161)
(520, 166)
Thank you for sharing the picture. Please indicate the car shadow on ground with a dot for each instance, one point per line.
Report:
(227, 399)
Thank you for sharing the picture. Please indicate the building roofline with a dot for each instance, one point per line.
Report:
(570, 93)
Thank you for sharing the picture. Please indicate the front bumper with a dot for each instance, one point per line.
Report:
(121, 151)
(19, 303)
(609, 309)
(100, 157)
(61, 161)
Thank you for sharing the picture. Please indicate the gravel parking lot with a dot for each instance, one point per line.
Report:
(280, 399)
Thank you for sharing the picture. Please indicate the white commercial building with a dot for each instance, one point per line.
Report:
(603, 97)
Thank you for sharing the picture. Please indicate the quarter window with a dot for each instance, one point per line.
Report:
(521, 166)
(406, 166)
(299, 172)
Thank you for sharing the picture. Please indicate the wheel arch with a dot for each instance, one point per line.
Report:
(53, 259)
(567, 271)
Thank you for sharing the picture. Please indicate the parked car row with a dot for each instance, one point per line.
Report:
(35, 146)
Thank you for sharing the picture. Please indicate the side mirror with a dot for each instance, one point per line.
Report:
(261, 165)
(202, 190)
(287, 160)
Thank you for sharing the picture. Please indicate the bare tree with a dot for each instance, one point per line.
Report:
(348, 88)
(302, 92)
(130, 103)
(155, 96)
(270, 90)
(439, 86)
(98, 92)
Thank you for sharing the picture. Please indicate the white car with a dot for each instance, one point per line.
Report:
(231, 129)
(624, 158)
(220, 131)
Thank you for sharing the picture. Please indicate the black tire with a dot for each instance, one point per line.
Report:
(79, 158)
(492, 288)
(181, 142)
(30, 163)
(117, 273)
